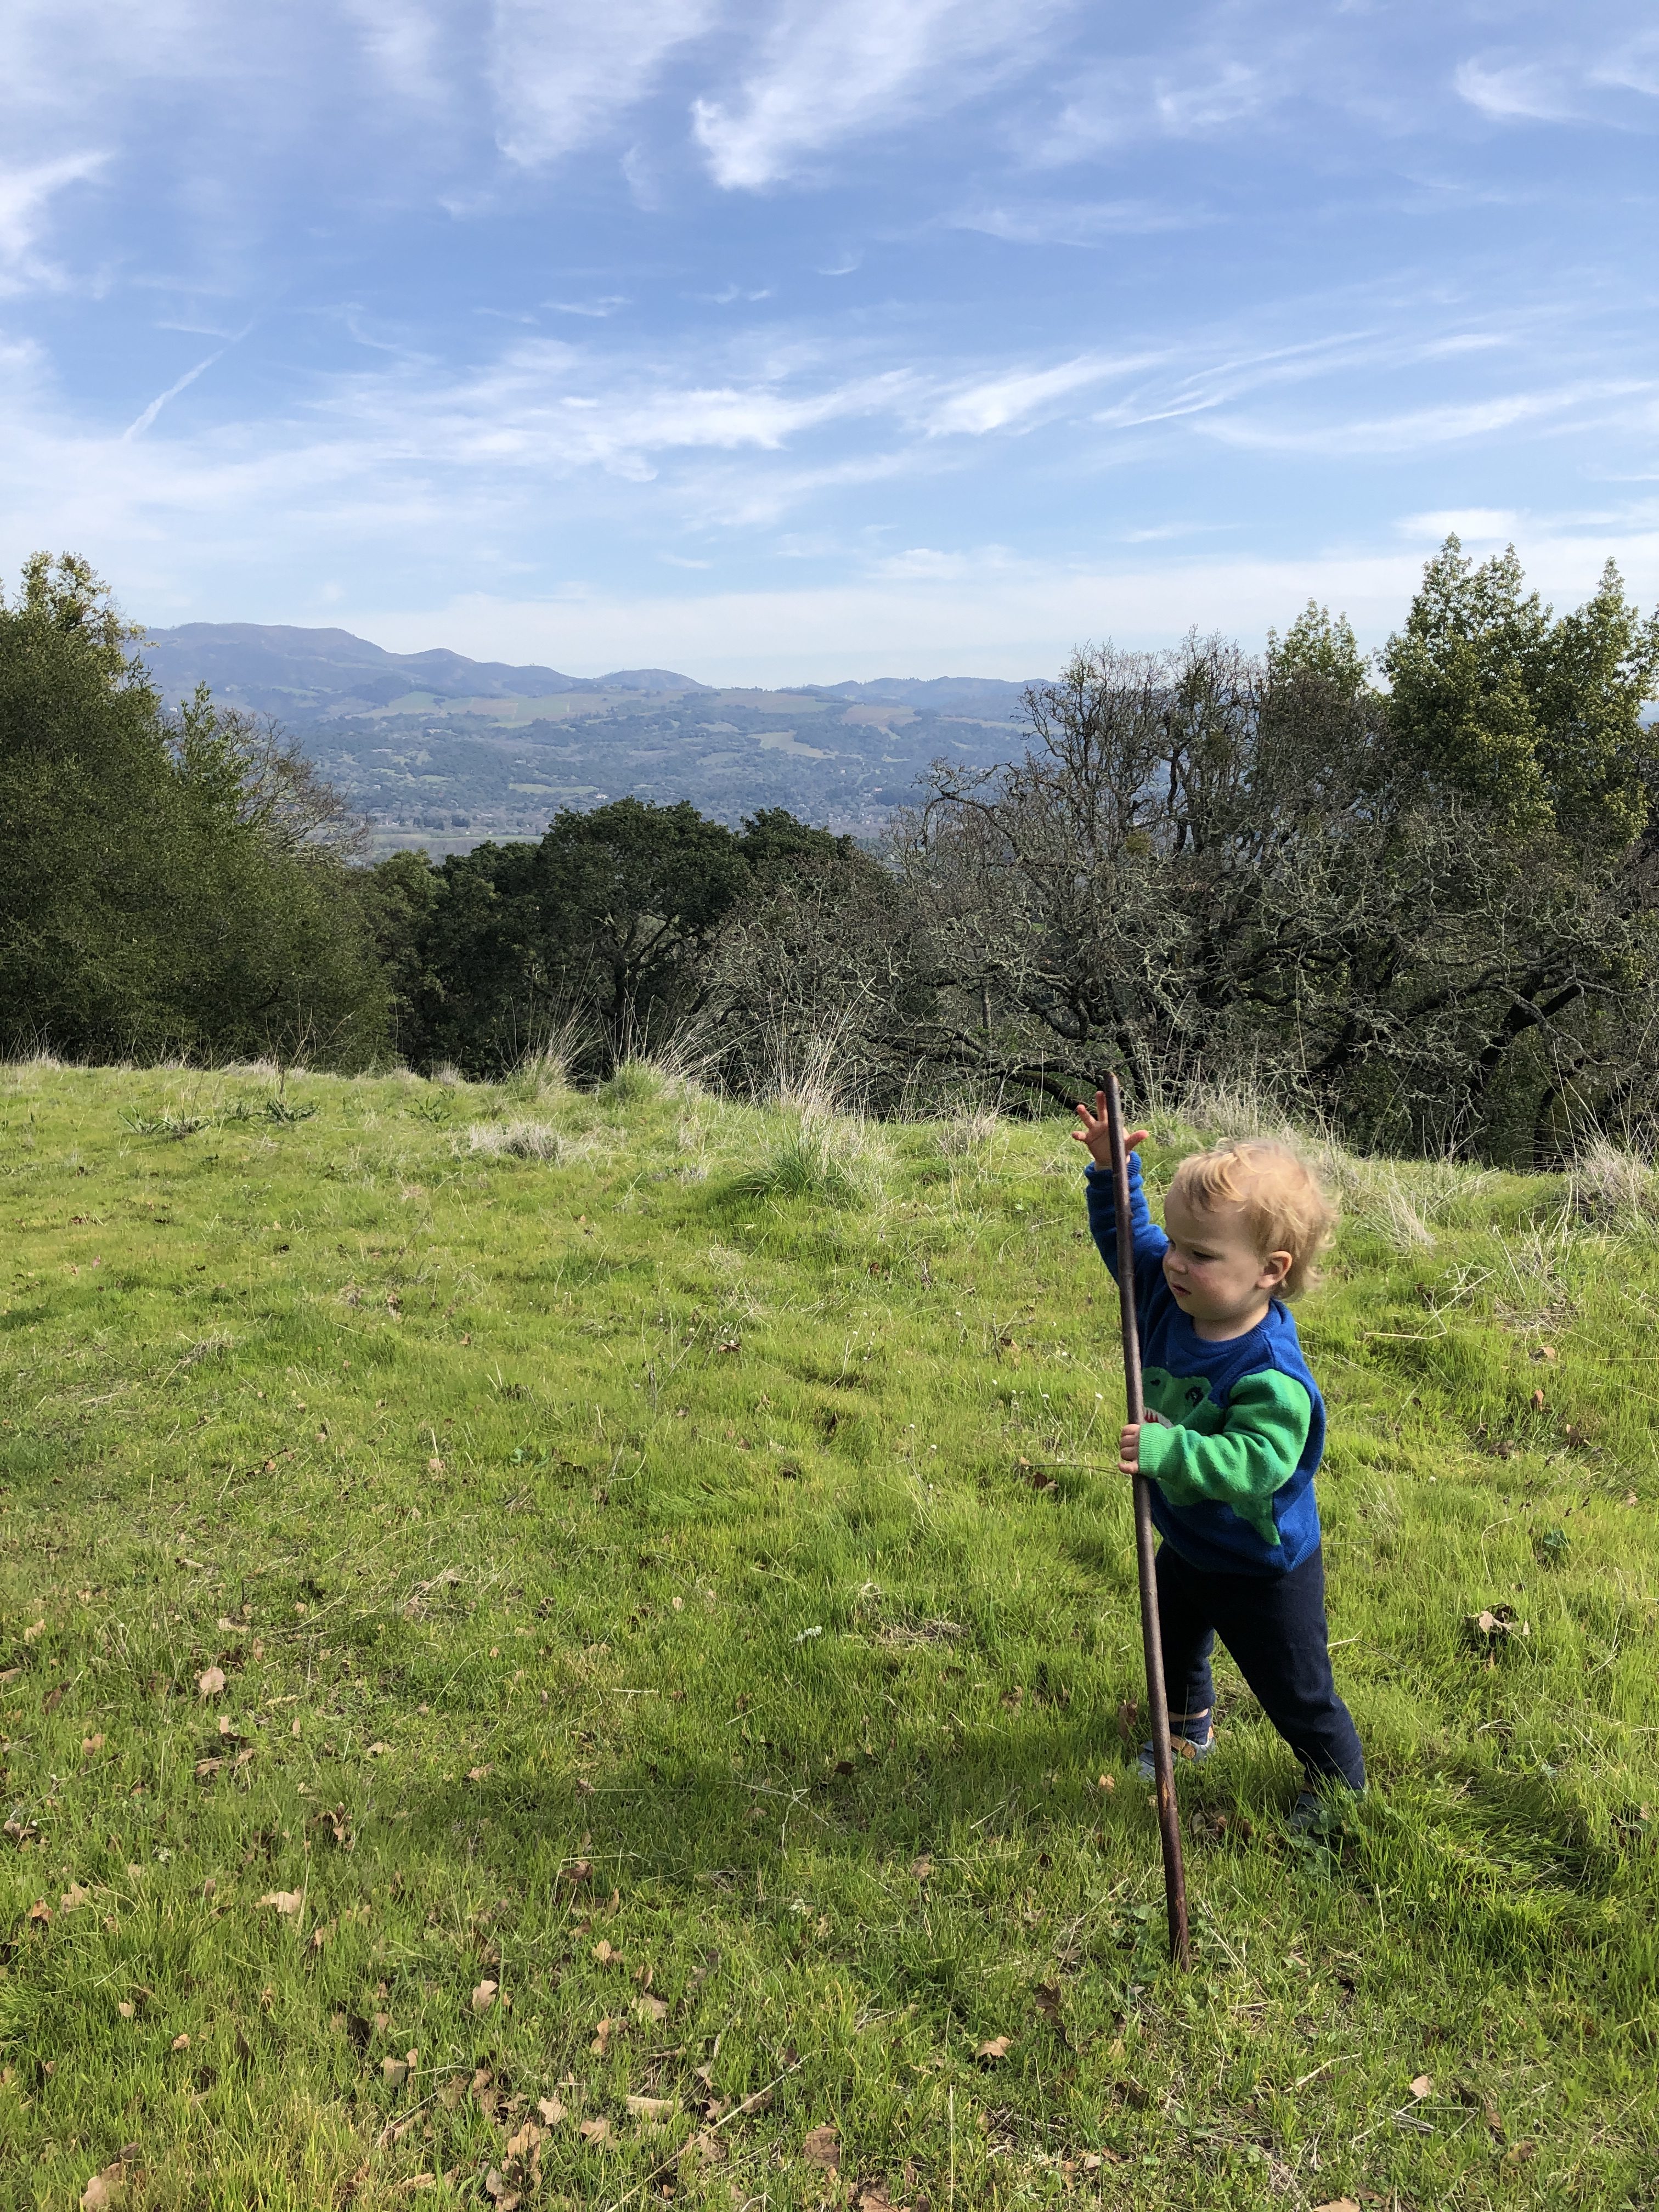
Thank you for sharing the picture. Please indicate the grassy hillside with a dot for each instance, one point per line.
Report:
(672, 1642)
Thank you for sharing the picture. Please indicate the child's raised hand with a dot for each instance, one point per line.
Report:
(1128, 1448)
(1095, 1132)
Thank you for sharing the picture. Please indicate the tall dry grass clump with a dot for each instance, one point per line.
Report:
(519, 1140)
(1613, 1186)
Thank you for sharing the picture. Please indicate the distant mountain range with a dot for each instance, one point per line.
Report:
(441, 751)
(317, 675)
(306, 674)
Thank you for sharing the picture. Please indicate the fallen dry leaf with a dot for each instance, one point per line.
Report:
(180, 2043)
(823, 2147)
(997, 2047)
(484, 1996)
(74, 1895)
(595, 2131)
(604, 1954)
(478, 1774)
(650, 2108)
(35, 1628)
(284, 1900)
(1421, 2086)
(394, 2072)
(651, 2008)
(40, 1911)
(923, 1867)
(211, 1682)
(126, 2009)
(1338, 2204)
(104, 2189)
(91, 1743)
(550, 2110)
(506, 2199)
(525, 2142)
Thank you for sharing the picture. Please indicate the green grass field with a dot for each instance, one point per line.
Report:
(569, 1648)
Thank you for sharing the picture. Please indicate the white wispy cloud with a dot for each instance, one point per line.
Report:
(1532, 90)
(1631, 68)
(1418, 429)
(1193, 95)
(137, 428)
(1069, 222)
(998, 402)
(830, 70)
(408, 45)
(26, 195)
(563, 71)
(982, 611)
(1564, 84)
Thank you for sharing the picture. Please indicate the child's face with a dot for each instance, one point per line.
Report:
(1217, 1278)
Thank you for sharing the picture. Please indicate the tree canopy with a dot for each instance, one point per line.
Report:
(166, 884)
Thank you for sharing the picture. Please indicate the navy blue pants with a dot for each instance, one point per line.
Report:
(1274, 1627)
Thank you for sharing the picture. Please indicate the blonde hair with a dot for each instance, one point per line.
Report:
(1284, 1205)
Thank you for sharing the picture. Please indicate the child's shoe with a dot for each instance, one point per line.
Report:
(1325, 1814)
(1192, 1738)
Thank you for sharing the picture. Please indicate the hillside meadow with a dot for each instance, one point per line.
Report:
(571, 1648)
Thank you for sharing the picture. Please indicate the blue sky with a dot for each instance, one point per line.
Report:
(778, 341)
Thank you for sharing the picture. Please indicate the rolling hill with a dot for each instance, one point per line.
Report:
(442, 751)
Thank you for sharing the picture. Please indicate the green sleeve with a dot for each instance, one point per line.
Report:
(1254, 1454)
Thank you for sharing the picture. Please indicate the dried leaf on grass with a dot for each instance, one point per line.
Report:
(104, 2189)
(823, 2147)
(595, 2131)
(997, 2047)
(651, 2008)
(211, 1683)
(650, 2108)
(484, 1996)
(550, 2110)
(1422, 2086)
(284, 1900)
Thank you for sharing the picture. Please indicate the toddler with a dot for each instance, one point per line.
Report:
(1234, 1427)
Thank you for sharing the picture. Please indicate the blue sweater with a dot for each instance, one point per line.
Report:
(1231, 1472)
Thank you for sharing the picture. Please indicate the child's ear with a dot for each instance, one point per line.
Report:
(1274, 1268)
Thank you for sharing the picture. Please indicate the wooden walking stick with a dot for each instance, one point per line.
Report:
(1175, 1878)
